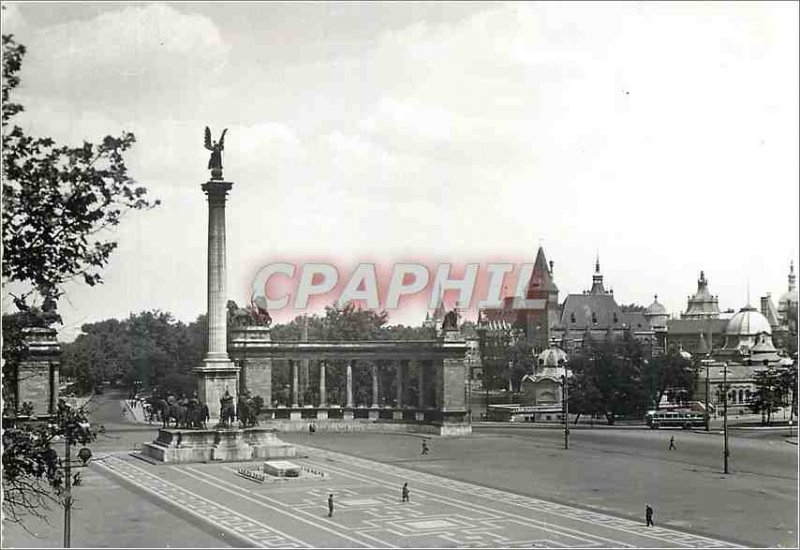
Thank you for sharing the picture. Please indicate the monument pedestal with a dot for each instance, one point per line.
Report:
(397, 415)
(225, 444)
(374, 414)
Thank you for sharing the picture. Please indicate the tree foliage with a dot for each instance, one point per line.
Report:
(32, 469)
(149, 348)
(671, 375)
(608, 379)
(57, 199)
(773, 388)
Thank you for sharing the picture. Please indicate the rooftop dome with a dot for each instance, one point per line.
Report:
(748, 322)
(655, 308)
(552, 356)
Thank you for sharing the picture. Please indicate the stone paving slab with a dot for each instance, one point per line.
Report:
(368, 511)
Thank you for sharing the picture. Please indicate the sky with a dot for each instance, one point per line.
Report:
(661, 136)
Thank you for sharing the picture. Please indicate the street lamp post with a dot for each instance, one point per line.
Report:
(707, 411)
(726, 453)
(68, 490)
(566, 408)
(84, 454)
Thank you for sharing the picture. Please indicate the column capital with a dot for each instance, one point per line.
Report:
(216, 190)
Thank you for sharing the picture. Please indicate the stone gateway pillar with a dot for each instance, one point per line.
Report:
(217, 374)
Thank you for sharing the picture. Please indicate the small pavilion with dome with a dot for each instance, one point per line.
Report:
(542, 391)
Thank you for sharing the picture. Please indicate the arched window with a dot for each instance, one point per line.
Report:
(594, 317)
(572, 317)
(741, 395)
(615, 318)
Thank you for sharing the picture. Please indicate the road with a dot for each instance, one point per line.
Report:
(616, 470)
(509, 482)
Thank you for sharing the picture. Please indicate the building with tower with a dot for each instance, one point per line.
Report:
(594, 315)
(536, 321)
(700, 327)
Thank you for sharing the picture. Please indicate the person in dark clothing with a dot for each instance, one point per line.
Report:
(330, 505)
(405, 492)
(672, 443)
(424, 446)
(648, 515)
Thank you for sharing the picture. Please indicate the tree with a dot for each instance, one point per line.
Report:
(32, 475)
(669, 374)
(767, 397)
(57, 199)
(607, 379)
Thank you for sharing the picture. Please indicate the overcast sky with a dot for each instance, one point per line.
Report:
(664, 136)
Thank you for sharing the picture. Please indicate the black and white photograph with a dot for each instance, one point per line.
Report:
(380, 274)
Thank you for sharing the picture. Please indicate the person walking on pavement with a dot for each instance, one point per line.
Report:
(672, 443)
(424, 446)
(405, 492)
(330, 505)
(648, 515)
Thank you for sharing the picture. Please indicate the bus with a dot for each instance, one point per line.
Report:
(675, 419)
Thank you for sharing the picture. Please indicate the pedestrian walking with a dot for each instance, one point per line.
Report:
(330, 505)
(405, 492)
(672, 443)
(648, 515)
(425, 446)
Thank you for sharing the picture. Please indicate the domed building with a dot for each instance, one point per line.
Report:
(700, 327)
(542, 391)
(656, 314)
(702, 305)
(748, 339)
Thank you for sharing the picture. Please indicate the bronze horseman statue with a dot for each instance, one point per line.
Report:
(216, 148)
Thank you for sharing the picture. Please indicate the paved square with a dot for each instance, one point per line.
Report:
(368, 511)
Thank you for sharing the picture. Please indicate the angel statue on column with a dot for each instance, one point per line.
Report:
(216, 148)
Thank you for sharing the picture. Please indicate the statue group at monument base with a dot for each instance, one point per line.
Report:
(224, 444)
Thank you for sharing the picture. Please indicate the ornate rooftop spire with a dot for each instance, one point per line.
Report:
(792, 277)
(597, 278)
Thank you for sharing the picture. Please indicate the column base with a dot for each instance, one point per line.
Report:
(347, 414)
(295, 415)
(322, 415)
(419, 416)
(374, 414)
(397, 415)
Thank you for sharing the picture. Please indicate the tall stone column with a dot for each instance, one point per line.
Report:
(323, 390)
(295, 402)
(374, 386)
(218, 373)
(401, 367)
(349, 385)
(422, 389)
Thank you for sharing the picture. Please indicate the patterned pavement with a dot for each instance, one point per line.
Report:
(442, 512)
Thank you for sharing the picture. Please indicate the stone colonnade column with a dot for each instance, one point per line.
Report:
(323, 390)
(374, 386)
(349, 385)
(218, 373)
(401, 367)
(400, 383)
(295, 392)
(420, 415)
(421, 393)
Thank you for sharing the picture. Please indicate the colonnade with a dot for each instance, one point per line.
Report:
(425, 398)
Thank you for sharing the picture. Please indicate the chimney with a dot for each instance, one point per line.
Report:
(551, 268)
